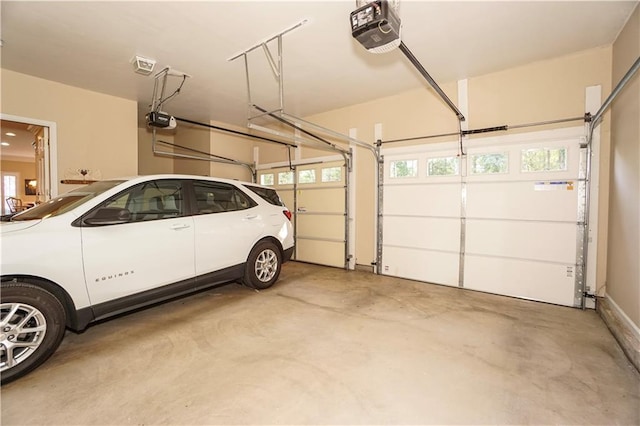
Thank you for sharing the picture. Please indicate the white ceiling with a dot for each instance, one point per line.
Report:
(90, 45)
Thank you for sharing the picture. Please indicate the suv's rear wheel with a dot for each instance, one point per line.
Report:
(32, 325)
(263, 266)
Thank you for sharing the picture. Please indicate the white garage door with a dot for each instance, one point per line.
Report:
(506, 218)
(316, 194)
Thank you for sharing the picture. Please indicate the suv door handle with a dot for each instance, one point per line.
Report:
(251, 216)
(178, 226)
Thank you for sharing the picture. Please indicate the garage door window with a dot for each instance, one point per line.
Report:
(489, 163)
(332, 174)
(403, 169)
(544, 159)
(307, 176)
(267, 179)
(443, 166)
(285, 178)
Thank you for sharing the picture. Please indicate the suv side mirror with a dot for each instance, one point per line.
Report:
(108, 216)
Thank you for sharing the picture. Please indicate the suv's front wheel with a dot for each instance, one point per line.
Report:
(32, 325)
(263, 266)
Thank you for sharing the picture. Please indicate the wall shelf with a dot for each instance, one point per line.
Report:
(77, 181)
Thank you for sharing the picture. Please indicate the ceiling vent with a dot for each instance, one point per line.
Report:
(142, 65)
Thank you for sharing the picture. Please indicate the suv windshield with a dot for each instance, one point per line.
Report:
(66, 202)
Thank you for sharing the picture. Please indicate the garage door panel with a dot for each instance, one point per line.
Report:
(320, 252)
(434, 233)
(321, 226)
(286, 195)
(547, 282)
(326, 200)
(320, 219)
(544, 241)
(521, 200)
(422, 265)
(316, 194)
(423, 200)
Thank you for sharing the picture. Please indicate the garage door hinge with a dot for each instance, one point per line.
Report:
(589, 295)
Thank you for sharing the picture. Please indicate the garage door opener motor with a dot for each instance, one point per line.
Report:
(156, 117)
(377, 27)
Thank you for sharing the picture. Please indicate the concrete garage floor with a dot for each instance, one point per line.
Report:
(326, 346)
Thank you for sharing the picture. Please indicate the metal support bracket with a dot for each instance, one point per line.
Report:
(276, 67)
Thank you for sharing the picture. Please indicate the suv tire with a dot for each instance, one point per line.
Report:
(263, 266)
(32, 325)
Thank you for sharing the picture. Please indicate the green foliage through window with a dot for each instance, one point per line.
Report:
(332, 174)
(285, 178)
(544, 159)
(307, 176)
(266, 180)
(489, 163)
(442, 166)
(403, 168)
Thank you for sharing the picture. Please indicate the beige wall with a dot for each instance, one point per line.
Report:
(94, 131)
(193, 137)
(623, 274)
(540, 91)
(272, 153)
(148, 162)
(234, 147)
(545, 90)
(201, 139)
(216, 143)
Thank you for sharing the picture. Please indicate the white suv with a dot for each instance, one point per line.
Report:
(117, 245)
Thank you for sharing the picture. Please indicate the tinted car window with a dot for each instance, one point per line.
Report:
(212, 197)
(66, 202)
(150, 200)
(267, 194)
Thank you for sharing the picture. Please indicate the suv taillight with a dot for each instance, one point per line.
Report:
(287, 213)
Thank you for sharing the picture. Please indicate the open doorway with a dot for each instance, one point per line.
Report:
(24, 155)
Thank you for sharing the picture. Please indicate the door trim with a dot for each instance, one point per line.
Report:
(51, 169)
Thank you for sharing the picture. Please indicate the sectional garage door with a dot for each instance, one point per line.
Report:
(505, 218)
(316, 194)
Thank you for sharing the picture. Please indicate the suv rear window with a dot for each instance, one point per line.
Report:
(268, 194)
